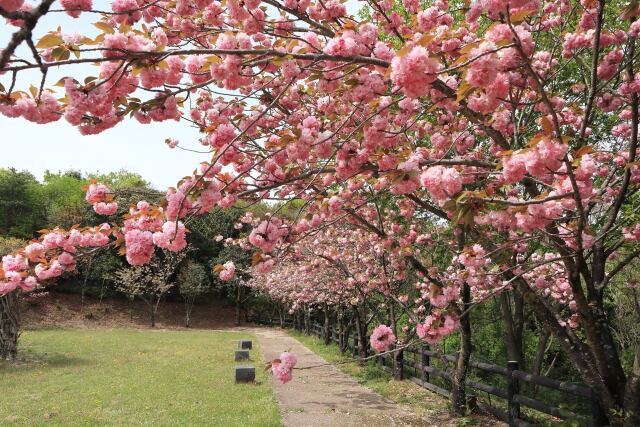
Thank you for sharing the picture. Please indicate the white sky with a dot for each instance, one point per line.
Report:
(59, 146)
(130, 145)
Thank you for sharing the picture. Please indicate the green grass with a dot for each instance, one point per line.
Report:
(132, 377)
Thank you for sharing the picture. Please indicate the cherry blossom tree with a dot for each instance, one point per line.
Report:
(515, 123)
(339, 269)
(150, 282)
(192, 282)
(9, 310)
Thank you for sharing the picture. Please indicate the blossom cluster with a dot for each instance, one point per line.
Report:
(146, 227)
(48, 257)
(228, 271)
(436, 326)
(99, 196)
(382, 338)
(282, 368)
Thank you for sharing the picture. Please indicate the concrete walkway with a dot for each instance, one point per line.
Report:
(324, 396)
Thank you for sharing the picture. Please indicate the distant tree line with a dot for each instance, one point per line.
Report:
(28, 205)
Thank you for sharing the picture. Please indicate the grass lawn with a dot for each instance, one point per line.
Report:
(133, 377)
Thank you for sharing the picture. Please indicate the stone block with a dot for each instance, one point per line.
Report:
(245, 374)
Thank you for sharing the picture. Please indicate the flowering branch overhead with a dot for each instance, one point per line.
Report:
(503, 132)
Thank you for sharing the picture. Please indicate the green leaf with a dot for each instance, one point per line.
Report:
(58, 52)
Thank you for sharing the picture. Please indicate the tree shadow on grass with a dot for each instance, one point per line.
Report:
(28, 361)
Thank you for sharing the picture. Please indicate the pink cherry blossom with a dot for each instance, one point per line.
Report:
(169, 238)
(228, 271)
(96, 193)
(11, 5)
(382, 338)
(14, 263)
(441, 182)
(103, 208)
(139, 246)
(414, 72)
(75, 7)
(282, 368)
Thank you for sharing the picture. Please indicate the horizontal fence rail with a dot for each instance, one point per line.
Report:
(419, 370)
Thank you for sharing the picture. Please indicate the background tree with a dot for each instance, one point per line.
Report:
(21, 206)
(236, 289)
(150, 282)
(63, 199)
(193, 282)
(121, 180)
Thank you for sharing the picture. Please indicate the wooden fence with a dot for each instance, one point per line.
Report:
(417, 365)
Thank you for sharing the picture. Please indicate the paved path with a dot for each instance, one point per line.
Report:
(325, 396)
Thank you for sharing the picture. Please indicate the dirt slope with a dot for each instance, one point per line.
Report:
(54, 310)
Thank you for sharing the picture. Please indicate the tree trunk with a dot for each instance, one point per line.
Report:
(326, 331)
(601, 343)
(513, 318)
(188, 306)
(632, 394)
(361, 329)
(307, 321)
(341, 342)
(398, 363)
(9, 326)
(541, 349)
(459, 378)
(152, 316)
(153, 309)
(398, 356)
(297, 321)
(581, 356)
(238, 301)
(102, 291)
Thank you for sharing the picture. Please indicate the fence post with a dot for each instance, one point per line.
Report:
(425, 363)
(513, 388)
(598, 416)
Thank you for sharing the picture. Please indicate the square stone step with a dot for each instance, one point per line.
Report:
(245, 345)
(245, 374)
